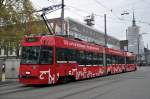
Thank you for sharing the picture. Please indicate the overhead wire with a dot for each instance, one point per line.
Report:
(99, 15)
(102, 5)
(108, 9)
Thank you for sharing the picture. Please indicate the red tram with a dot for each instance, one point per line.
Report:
(53, 59)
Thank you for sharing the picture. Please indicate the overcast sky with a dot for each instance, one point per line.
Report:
(116, 23)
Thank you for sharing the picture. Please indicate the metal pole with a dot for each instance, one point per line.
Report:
(105, 29)
(126, 50)
(127, 38)
(126, 33)
(62, 18)
(45, 21)
(138, 43)
(105, 37)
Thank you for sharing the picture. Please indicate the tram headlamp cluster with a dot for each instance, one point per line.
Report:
(28, 73)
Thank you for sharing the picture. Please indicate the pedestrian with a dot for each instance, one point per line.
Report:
(3, 68)
(3, 72)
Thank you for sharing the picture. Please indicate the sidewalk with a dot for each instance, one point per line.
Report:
(9, 81)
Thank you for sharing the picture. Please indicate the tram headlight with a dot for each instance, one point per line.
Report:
(28, 73)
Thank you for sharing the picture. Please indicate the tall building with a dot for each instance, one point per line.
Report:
(135, 39)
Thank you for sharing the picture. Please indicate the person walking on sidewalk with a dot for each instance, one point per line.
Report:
(3, 72)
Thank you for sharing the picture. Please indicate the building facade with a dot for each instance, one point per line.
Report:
(84, 32)
(135, 40)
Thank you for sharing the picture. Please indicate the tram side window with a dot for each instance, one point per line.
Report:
(113, 59)
(89, 58)
(122, 60)
(46, 55)
(63, 54)
(71, 55)
(127, 60)
(108, 59)
(117, 59)
(81, 58)
(130, 61)
(100, 59)
(95, 58)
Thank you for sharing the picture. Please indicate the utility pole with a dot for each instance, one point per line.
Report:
(127, 38)
(105, 37)
(138, 53)
(105, 29)
(62, 18)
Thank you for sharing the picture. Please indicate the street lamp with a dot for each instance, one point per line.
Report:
(125, 13)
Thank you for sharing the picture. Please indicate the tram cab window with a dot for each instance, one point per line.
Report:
(37, 55)
(30, 55)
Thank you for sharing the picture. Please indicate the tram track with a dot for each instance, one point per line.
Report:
(53, 89)
(9, 87)
(8, 84)
(93, 85)
(79, 87)
(16, 90)
(2, 84)
(70, 86)
(112, 80)
(13, 87)
(90, 88)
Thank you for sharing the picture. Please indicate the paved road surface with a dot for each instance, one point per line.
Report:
(132, 85)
